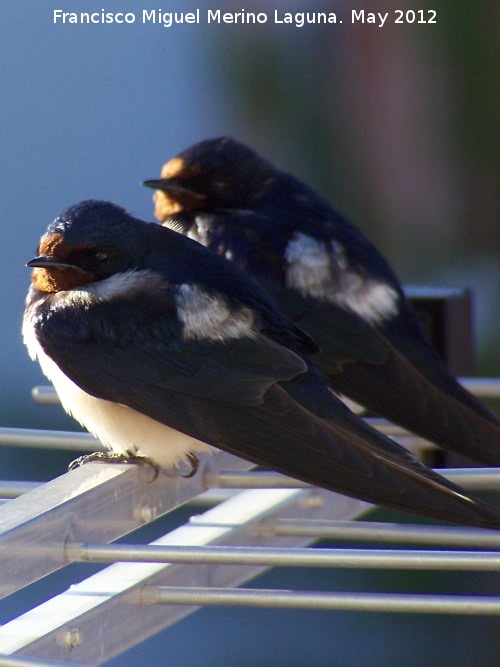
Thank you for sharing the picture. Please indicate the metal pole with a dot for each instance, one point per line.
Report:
(374, 602)
(282, 557)
(367, 531)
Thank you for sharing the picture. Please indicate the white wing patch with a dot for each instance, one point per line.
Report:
(206, 316)
(308, 265)
(316, 270)
(121, 429)
(375, 302)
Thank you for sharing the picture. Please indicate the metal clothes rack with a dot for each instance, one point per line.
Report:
(264, 520)
(240, 523)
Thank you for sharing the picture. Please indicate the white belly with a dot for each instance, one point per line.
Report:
(121, 429)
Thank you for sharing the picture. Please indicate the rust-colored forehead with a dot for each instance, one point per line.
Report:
(179, 167)
(52, 244)
(55, 245)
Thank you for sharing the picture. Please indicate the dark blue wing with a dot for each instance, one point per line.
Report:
(390, 368)
(244, 395)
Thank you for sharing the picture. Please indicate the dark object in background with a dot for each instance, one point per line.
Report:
(446, 315)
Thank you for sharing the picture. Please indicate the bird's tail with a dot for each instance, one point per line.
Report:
(343, 455)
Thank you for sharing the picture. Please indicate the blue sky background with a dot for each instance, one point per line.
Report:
(87, 112)
(91, 111)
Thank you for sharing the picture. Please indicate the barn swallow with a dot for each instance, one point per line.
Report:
(162, 348)
(329, 279)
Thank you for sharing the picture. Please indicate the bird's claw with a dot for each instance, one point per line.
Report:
(110, 457)
(194, 462)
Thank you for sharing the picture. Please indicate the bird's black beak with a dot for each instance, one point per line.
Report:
(50, 262)
(171, 188)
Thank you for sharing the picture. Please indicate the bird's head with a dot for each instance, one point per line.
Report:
(86, 243)
(217, 173)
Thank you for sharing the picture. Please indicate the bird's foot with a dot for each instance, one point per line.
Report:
(110, 457)
(194, 463)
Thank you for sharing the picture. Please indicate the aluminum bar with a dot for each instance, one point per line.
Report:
(8, 661)
(96, 502)
(13, 489)
(111, 597)
(283, 599)
(477, 479)
(379, 532)
(281, 557)
(45, 395)
(481, 387)
(29, 437)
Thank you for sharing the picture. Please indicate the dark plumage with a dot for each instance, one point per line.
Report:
(330, 280)
(161, 347)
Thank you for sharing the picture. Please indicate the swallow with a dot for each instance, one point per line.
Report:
(329, 279)
(163, 349)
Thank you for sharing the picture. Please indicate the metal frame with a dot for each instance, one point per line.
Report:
(264, 520)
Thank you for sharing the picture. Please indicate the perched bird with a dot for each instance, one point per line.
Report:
(327, 277)
(162, 348)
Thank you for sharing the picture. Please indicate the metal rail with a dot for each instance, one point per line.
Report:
(111, 596)
(384, 533)
(260, 520)
(476, 479)
(481, 387)
(30, 437)
(280, 599)
(84, 442)
(6, 661)
(186, 568)
(279, 557)
(94, 502)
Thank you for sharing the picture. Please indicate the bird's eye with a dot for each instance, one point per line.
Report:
(101, 256)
